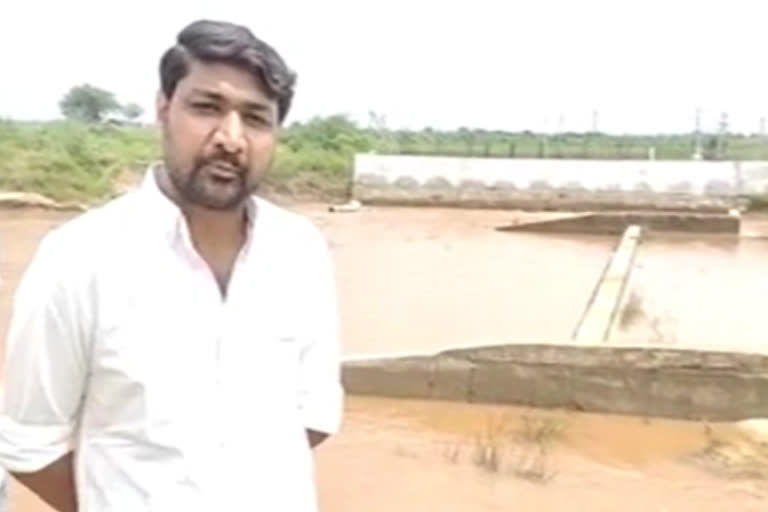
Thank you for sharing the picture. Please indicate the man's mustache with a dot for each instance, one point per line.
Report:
(229, 162)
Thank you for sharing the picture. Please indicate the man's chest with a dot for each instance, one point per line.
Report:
(166, 347)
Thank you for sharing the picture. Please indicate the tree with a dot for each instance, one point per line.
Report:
(132, 111)
(88, 103)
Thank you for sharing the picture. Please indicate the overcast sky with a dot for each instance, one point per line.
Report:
(643, 65)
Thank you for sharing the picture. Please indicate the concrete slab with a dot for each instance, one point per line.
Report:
(660, 382)
(609, 294)
(614, 223)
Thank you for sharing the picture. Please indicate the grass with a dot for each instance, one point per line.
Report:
(75, 162)
(521, 448)
(743, 458)
(70, 161)
(525, 448)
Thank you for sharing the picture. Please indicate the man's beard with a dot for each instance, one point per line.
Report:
(215, 183)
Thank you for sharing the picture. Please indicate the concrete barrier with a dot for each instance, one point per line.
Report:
(614, 223)
(660, 382)
(540, 184)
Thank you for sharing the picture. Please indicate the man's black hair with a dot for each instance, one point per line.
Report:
(223, 42)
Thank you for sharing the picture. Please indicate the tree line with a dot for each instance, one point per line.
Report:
(340, 136)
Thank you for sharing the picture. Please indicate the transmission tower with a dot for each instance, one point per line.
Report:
(697, 151)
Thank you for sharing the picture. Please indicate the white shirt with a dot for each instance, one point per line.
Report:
(3, 473)
(121, 347)
(4, 505)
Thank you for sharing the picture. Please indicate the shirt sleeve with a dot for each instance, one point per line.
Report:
(321, 392)
(44, 371)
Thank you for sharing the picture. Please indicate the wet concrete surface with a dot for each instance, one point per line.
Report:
(425, 279)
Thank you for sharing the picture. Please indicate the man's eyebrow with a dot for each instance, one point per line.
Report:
(246, 104)
(207, 93)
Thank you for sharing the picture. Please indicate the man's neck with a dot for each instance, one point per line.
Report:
(218, 238)
(210, 231)
(214, 230)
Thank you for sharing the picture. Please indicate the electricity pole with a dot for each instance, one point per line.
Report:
(697, 136)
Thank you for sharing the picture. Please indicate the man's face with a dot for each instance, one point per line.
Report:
(219, 135)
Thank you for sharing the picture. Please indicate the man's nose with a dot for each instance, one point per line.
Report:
(229, 133)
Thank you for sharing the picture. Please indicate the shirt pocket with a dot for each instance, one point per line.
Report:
(265, 365)
(286, 350)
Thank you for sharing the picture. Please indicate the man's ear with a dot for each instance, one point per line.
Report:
(162, 104)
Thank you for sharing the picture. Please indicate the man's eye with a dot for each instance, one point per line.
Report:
(255, 119)
(205, 107)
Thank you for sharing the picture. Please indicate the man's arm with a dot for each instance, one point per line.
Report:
(321, 393)
(43, 379)
(54, 484)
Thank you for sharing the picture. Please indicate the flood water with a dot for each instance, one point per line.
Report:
(414, 456)
(694, 292)
(413, 279)
(425, 279)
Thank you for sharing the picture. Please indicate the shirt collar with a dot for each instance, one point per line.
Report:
(165, 215)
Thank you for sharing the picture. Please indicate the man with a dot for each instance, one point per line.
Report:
(4, 491)
(176, 349)
(3, 472)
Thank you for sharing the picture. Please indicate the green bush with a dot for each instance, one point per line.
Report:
(76, 161)
(69, 161)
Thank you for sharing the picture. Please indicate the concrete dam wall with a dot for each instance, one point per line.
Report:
(660, 382)
(546, 184)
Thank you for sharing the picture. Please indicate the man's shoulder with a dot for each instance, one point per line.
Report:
(89, 231)
(67, 256)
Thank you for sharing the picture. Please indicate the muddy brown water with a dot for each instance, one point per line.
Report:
(703, 293)
(413, 279)
(425, 279)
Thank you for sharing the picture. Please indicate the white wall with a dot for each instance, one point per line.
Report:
(754, 177)
(660, 176)
(379, 177)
